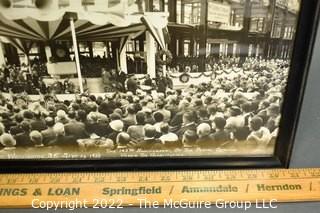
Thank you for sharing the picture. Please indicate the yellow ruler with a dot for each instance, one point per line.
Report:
(159, 188)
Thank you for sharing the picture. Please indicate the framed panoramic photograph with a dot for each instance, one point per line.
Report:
(151, 84)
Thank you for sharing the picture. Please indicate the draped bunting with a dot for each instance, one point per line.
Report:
(23, 45)
(157, 27)
(123, 42)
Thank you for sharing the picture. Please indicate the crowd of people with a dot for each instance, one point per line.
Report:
(236, 111)
(19, 79)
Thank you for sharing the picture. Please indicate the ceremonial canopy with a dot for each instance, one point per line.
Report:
(21, 24)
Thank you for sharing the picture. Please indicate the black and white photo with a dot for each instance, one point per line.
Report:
(132, 79)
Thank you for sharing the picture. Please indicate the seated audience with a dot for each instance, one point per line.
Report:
(169, 139)
(239, 109)
(48, 134)
(189, 140)
(23, 139)
(203, 132)
(61, 139)
(36, 138)
(260, 134)
(150, 142)
(136, 132)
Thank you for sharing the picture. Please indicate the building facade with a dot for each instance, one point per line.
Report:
(200, 28)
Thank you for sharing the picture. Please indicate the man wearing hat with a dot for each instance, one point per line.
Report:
(61, 139)
(136, 132)
(116, 127)
(75, 128)
(48, 134)
(236, 119)
(273, 113)
(150, 142)
(23, 139)
(61, 117)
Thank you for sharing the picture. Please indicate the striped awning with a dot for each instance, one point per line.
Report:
(23, 45)
(31, 29)
(89, 26)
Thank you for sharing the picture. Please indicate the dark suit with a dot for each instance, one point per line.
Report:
(132, 85)
(206, 142)
(47, 136)
(38, 125)
(150, 144)
(14, 130)
(162, 84)
(128, 121)
(176, 122)
(190, 126)
(113, 136)
(76, 129)
(8, 124)
(63, 141)
(23, 140)
(101, 129)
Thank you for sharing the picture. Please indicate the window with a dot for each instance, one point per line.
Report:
(179, 9)
(157, 6)
(186, 48)
(130, 46)
(87, 2)
(99, 48)
(177, 47)
(112, 3)
(250, 51)
(160, 6)
(238, 20)
(166, 6)
(257, 25)
(276, 29)
(188, 13)
(289, 33)
(260, 24)
(232, 17)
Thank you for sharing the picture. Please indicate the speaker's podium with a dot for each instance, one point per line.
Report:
(62, 68)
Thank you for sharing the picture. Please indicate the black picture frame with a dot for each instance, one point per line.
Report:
(301, 57)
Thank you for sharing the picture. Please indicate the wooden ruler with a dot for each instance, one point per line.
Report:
(151, 189)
